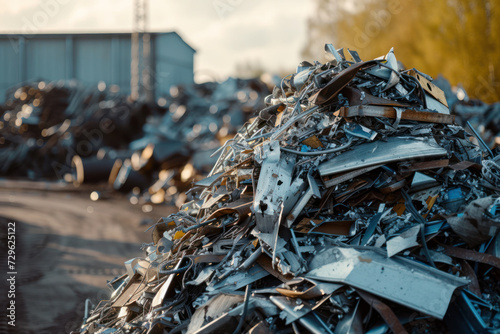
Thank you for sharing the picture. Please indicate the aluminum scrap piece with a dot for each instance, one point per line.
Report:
(299, 311)
(329, 92)
(164, 289)
(373, 222)
(238, 280)
(482, 144)
(373, 153)
(360, 131)
(354, 55)
(400, 280)
(209, 181)
(392, 63)
(467, 254)
(274, 182)
(434, 104)
(332, 55)
(312, 191)
(403, 241)
(276, 135)
(219, 322)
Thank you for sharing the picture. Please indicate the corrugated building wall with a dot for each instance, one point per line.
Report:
(90, 58)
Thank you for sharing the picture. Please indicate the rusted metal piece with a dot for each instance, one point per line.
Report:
(471, 275)
(393, 186)
(313, 141)
(429, 87)
(385, 311)
(328, 93)
(465, 165)
(424, 165)
(470, 255)
(390, 112)
(241, 207)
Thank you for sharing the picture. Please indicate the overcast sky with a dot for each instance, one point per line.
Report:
(224, 32)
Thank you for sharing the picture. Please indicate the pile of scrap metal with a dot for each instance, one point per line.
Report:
(176, 146)
(96, 134)
(351, 204)
(43, 125)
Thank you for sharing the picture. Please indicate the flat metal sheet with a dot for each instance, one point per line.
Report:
(313, 190)
(434, 104)
(208, 181)
(405, 240)
(403, 281)
(131, 293)
(430, 88)
(380, 152)
(165, 290)
(273, 186)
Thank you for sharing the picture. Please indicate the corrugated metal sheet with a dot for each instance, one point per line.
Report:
(9, 65)
(91, 58)
(45, 59)
(173, 63)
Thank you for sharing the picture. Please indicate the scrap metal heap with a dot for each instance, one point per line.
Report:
(43, 125)
(351, 204)
(175, 147)
(88, 134)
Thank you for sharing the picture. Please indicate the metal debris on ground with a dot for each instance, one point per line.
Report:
(175, 147)
(88, 135)
(351, 204)
(43, 125)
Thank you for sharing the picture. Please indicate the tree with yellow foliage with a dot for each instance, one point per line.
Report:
(456, 38)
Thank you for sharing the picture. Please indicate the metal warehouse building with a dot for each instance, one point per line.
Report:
(90, 58)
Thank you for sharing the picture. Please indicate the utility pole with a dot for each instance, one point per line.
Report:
(140, 30)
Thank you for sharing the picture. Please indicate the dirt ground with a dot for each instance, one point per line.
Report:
(67, 247)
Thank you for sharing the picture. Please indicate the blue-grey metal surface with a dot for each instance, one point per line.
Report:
(90, 58)
(415, 285)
